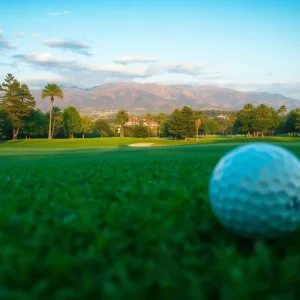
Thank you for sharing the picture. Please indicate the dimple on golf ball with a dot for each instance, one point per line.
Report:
(254, 191)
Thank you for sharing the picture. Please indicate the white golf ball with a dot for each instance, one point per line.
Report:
(254, 191)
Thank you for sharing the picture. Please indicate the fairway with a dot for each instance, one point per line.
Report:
(95, 220)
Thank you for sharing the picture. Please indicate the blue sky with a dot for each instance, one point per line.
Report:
(245, 45)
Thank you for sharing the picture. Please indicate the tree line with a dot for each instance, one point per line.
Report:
(19, 117)
(251, 120)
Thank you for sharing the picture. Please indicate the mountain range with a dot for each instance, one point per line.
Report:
(139, 97)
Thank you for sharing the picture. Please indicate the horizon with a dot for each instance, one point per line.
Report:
(248, 47)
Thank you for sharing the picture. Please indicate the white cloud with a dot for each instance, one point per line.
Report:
(74, 46)
(35, 35)
(1, 32)
(47, 61)
(124, 60)
(58, 13)
(19, 34)
(184, 69)
(123, 72)
(5, 45)
(76, 70)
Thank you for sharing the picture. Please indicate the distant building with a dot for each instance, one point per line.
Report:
(137, 121)
(133, 122)
(150, 123)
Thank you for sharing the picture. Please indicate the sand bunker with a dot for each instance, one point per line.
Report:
(142, 145)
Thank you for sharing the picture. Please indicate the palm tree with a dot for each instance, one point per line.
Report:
(56, 113)
(197, 116)
(122, 118)
(51, 90)
(247, 115)
(263, 113)
(282, 110)
(248, 107)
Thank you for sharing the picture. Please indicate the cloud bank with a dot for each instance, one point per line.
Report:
(47, 61)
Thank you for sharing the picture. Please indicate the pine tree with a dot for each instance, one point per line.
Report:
(17, 102)
(175, 123)
(188, 122)
(182, 122)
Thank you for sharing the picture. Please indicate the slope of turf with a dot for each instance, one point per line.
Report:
(129, 224)
(113, 142)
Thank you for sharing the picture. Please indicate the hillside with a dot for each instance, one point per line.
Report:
(140, 97)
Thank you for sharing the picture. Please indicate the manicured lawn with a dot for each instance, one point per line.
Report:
(126, 223)
(122, 142)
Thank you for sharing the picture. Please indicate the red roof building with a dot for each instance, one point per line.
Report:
(137, 121)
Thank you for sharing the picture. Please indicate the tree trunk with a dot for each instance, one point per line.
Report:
(50, 118)
(15, 134)
(197, 134)
(52, 135)
(159, 131)
(83, 135)
(197, 124)
(121, 131)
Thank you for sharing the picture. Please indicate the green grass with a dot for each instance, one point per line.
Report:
(122, 142)
(128, 223)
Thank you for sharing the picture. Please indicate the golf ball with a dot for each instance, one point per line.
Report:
(254, 191)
